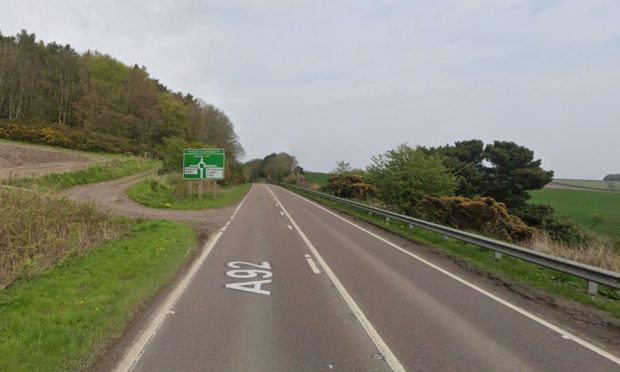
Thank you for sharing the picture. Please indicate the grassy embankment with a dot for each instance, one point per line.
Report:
(171, 191)
(482, 259)
(71, 277)
(65, 318)
(110, 170)
(593, 210)
(317, 177)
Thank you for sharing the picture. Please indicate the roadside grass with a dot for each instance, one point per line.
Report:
(38, 231)
(591, 184)
(317, 177)
(593, 210)
(107, 171)
(481, 259)
(171, 191)
(65, 318)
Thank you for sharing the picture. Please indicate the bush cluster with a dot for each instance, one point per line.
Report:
(350, 185)
(480, 214)
(559, 229)
(65, 136)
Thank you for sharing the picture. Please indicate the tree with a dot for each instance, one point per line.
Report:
(342, 168)
(254, 169)
(347, 182)
(465, 160)
(612, 177)
(512, 172)
(405, 175)
(503, 170)
(278, 166)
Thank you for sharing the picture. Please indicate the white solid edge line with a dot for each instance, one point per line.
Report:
(565, 334)
(133, 354)
(390, 358)
(313, 266)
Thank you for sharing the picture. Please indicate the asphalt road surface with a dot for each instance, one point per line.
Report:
(289, 286)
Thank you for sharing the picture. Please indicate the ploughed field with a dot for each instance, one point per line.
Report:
(22, 160)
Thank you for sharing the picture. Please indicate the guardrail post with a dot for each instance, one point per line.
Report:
(498, 255)
(411, 227)
(387, 220)
(592, 287)
(445, 237)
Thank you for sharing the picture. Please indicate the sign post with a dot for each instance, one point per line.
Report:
(203, 164)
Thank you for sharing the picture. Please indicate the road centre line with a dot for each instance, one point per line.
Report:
(289, 227)
(563, 333)
(390, 358)
(136, 350)
(282, 213)
(313, 266)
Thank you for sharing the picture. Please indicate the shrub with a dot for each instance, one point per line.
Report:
(559, 229)
(65, 136)
(480, 214)
(349, 186)
(291, 179)
(406, 175)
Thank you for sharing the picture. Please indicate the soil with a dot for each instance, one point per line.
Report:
(22, 160)
(553, 185)
(112, 196)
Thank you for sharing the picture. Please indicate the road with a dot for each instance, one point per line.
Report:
(290, 286)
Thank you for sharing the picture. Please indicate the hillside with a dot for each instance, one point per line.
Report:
(585, 184)
(594, 210)
(93, 102)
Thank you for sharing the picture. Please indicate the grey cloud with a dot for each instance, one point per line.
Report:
(330, 80)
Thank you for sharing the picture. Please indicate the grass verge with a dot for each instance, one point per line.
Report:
(518, 271)
(170, 191)
(97, 173)
(37, 232)
(65, 318)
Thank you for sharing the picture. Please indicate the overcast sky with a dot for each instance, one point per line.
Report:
(345, 80)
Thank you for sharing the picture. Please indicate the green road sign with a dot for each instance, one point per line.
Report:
(203, 164)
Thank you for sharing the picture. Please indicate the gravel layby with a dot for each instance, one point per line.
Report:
(112, 196)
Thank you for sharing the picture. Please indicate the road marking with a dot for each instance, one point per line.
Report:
(313, 266)
(253, 286)
(289, 227)
(282, 213)
(136, 350)
(563, 333)
(390, 358)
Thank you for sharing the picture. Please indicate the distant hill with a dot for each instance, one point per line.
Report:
(585, 184)
(317, 177)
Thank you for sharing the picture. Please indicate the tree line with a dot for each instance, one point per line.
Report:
(468, 185)
(93, 98)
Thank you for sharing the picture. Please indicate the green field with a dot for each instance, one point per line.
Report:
(590, 184)
(317, 177)
(594, 210)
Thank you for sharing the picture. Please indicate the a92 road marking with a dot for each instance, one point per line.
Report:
(255, 286)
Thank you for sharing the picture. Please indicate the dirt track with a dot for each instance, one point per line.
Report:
(111, 196)
(23, 160)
